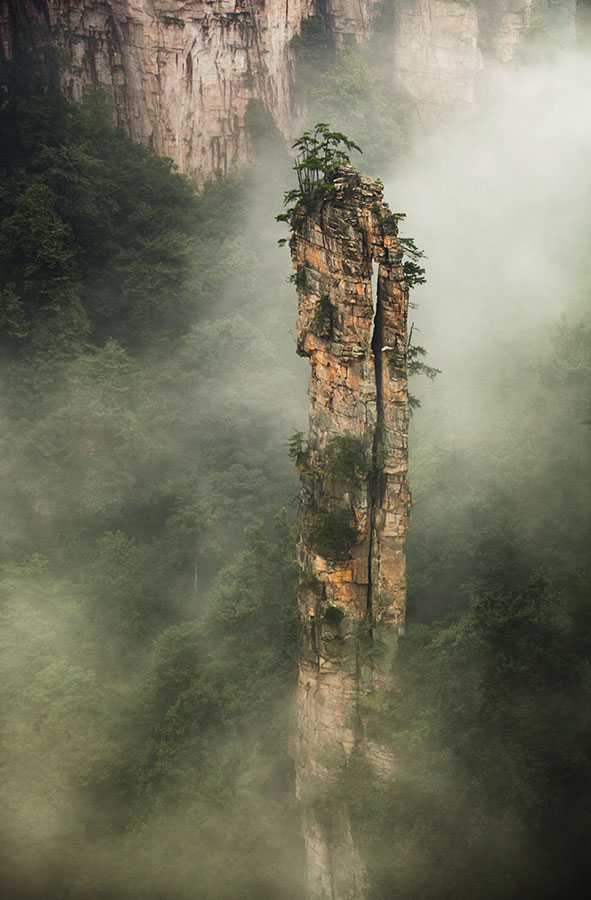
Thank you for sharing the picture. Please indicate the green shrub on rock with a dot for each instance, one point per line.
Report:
(332, 534)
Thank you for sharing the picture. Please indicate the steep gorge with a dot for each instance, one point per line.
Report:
(182, 73)
(354, 506)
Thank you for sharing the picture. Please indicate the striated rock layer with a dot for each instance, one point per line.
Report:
(182, 72)
(437, 56)
(354, 508)
(441, 48)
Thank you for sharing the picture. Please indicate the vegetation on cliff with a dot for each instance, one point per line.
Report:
(348, 86)
(319, 154)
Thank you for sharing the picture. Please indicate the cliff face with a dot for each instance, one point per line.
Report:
(437, 55)
(502, 25)
(441, 48)
(354, 508)
(183, 71)
(348, 19)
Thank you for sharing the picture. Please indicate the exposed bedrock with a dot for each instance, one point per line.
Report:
(354, 507)
(444, 49)
(182, 72)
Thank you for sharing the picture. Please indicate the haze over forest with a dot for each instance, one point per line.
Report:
(150, 387)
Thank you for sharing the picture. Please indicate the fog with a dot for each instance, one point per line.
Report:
(499, 200)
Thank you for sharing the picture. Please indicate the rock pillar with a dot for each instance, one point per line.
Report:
(354, 507)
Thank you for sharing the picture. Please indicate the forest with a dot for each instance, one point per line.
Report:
(150, 388)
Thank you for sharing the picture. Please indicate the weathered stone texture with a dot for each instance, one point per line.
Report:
(349, 19)
(503, 24)
(440, 48)
(436, 54)
(182, 71)
(352, 599)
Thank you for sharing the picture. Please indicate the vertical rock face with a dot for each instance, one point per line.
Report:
(181, 73)
(441, 46)
(348, 20)
(354, 508)
(437, 55)
(502, 25)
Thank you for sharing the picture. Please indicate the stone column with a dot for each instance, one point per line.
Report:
(354, 507)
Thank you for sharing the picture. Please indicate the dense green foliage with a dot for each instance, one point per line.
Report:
(147, 643)
(514, 513)
(138, 776)
(346, 459)
(323, 315)
(332, 534)
(489, 717)
(95, 231)
(490, 725)
(318, 156)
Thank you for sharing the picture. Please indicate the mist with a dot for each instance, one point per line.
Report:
(148, 574)
(500, 199)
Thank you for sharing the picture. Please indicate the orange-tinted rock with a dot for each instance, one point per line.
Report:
(353, 582)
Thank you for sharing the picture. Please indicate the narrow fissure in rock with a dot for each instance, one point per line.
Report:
(373, 474)
(354, 508)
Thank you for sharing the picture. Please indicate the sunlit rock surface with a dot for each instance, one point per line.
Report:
(352, 591)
